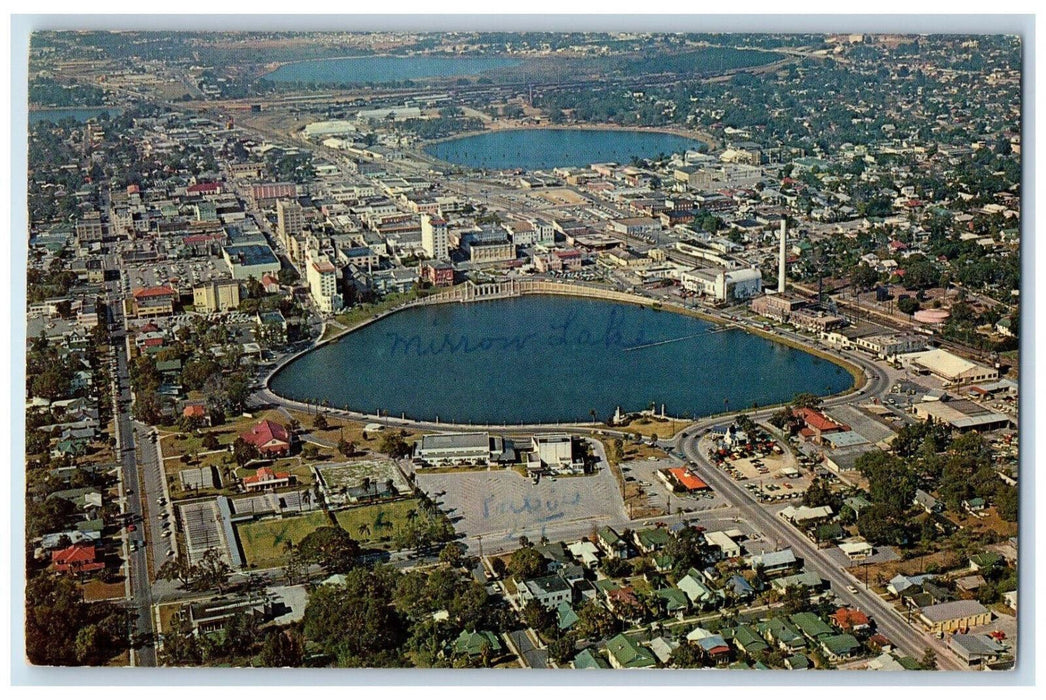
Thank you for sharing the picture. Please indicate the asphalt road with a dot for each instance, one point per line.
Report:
(908, 638)
(137, 564)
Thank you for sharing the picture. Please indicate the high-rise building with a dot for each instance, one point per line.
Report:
(290, 220)
(434, 237)
(323, 281)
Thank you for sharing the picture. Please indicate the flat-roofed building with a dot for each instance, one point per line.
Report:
(481, 252)
(458, 448)
(723, 285)
(250, 260)
(889, 345)
(150, 302)
(290, 219)
(216, 296)
(434, 239)
(952, 368)
(90, 228)
(962, 415)
(776, 306)
(728, 548)
(323, 282)
(266, 194)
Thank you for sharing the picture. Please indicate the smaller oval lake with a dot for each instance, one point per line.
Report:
(545, 359)
(541, 149)
(384, 69)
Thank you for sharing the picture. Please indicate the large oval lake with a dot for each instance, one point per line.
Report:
(538, 149)
(383, 69)
(547, 359)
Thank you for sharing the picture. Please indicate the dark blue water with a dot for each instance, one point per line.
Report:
(384, 69)
(543, 359)
(536, 149)
(80, 114)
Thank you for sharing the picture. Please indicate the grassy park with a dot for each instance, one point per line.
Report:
(264, 542)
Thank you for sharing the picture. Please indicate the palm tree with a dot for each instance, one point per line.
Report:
(364, 530)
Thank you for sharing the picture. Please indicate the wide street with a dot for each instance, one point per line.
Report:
(137, 565)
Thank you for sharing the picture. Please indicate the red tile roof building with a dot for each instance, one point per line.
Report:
(850, 620)
(685, 479)
(270, 438)
(76, 559)
(265, 479)
(817, 424)
(154, 301)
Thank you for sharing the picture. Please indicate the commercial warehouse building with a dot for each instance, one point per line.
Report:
(952, 368)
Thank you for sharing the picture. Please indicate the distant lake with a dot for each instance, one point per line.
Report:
(384, 69)
(80, 114)
(537, 149)
(544, 359)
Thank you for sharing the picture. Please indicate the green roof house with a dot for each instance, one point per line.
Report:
(589, 659)
(840, 646)
(624, 653)
(812, 626)
(475, 644)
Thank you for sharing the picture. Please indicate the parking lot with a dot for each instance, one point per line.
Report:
(500, 505)
(770, 476)
(645, 472)
(184, 273)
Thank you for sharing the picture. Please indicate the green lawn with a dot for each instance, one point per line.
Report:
(263, 541)
(372, 518)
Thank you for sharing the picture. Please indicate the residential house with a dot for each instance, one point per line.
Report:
(624, 653)
(586, 552)
(928, 502)
(612, 543)
(812, 626)
(477, 644)
(588, 659)
(77, 559)
(624, 603)
(781, 633)
(713, 645)
(748, 640)
(696, 590)
(852, 620)
(673, 601)
(663, 648)
(857, 550)
(806, 579)
(565, 616)
(651, 540)
(547, 591)
(840, 646)
(773, 563)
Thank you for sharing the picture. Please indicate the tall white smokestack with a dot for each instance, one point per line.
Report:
(781, 263)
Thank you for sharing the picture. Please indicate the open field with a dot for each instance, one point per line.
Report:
(373, 524)
(263, 541)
